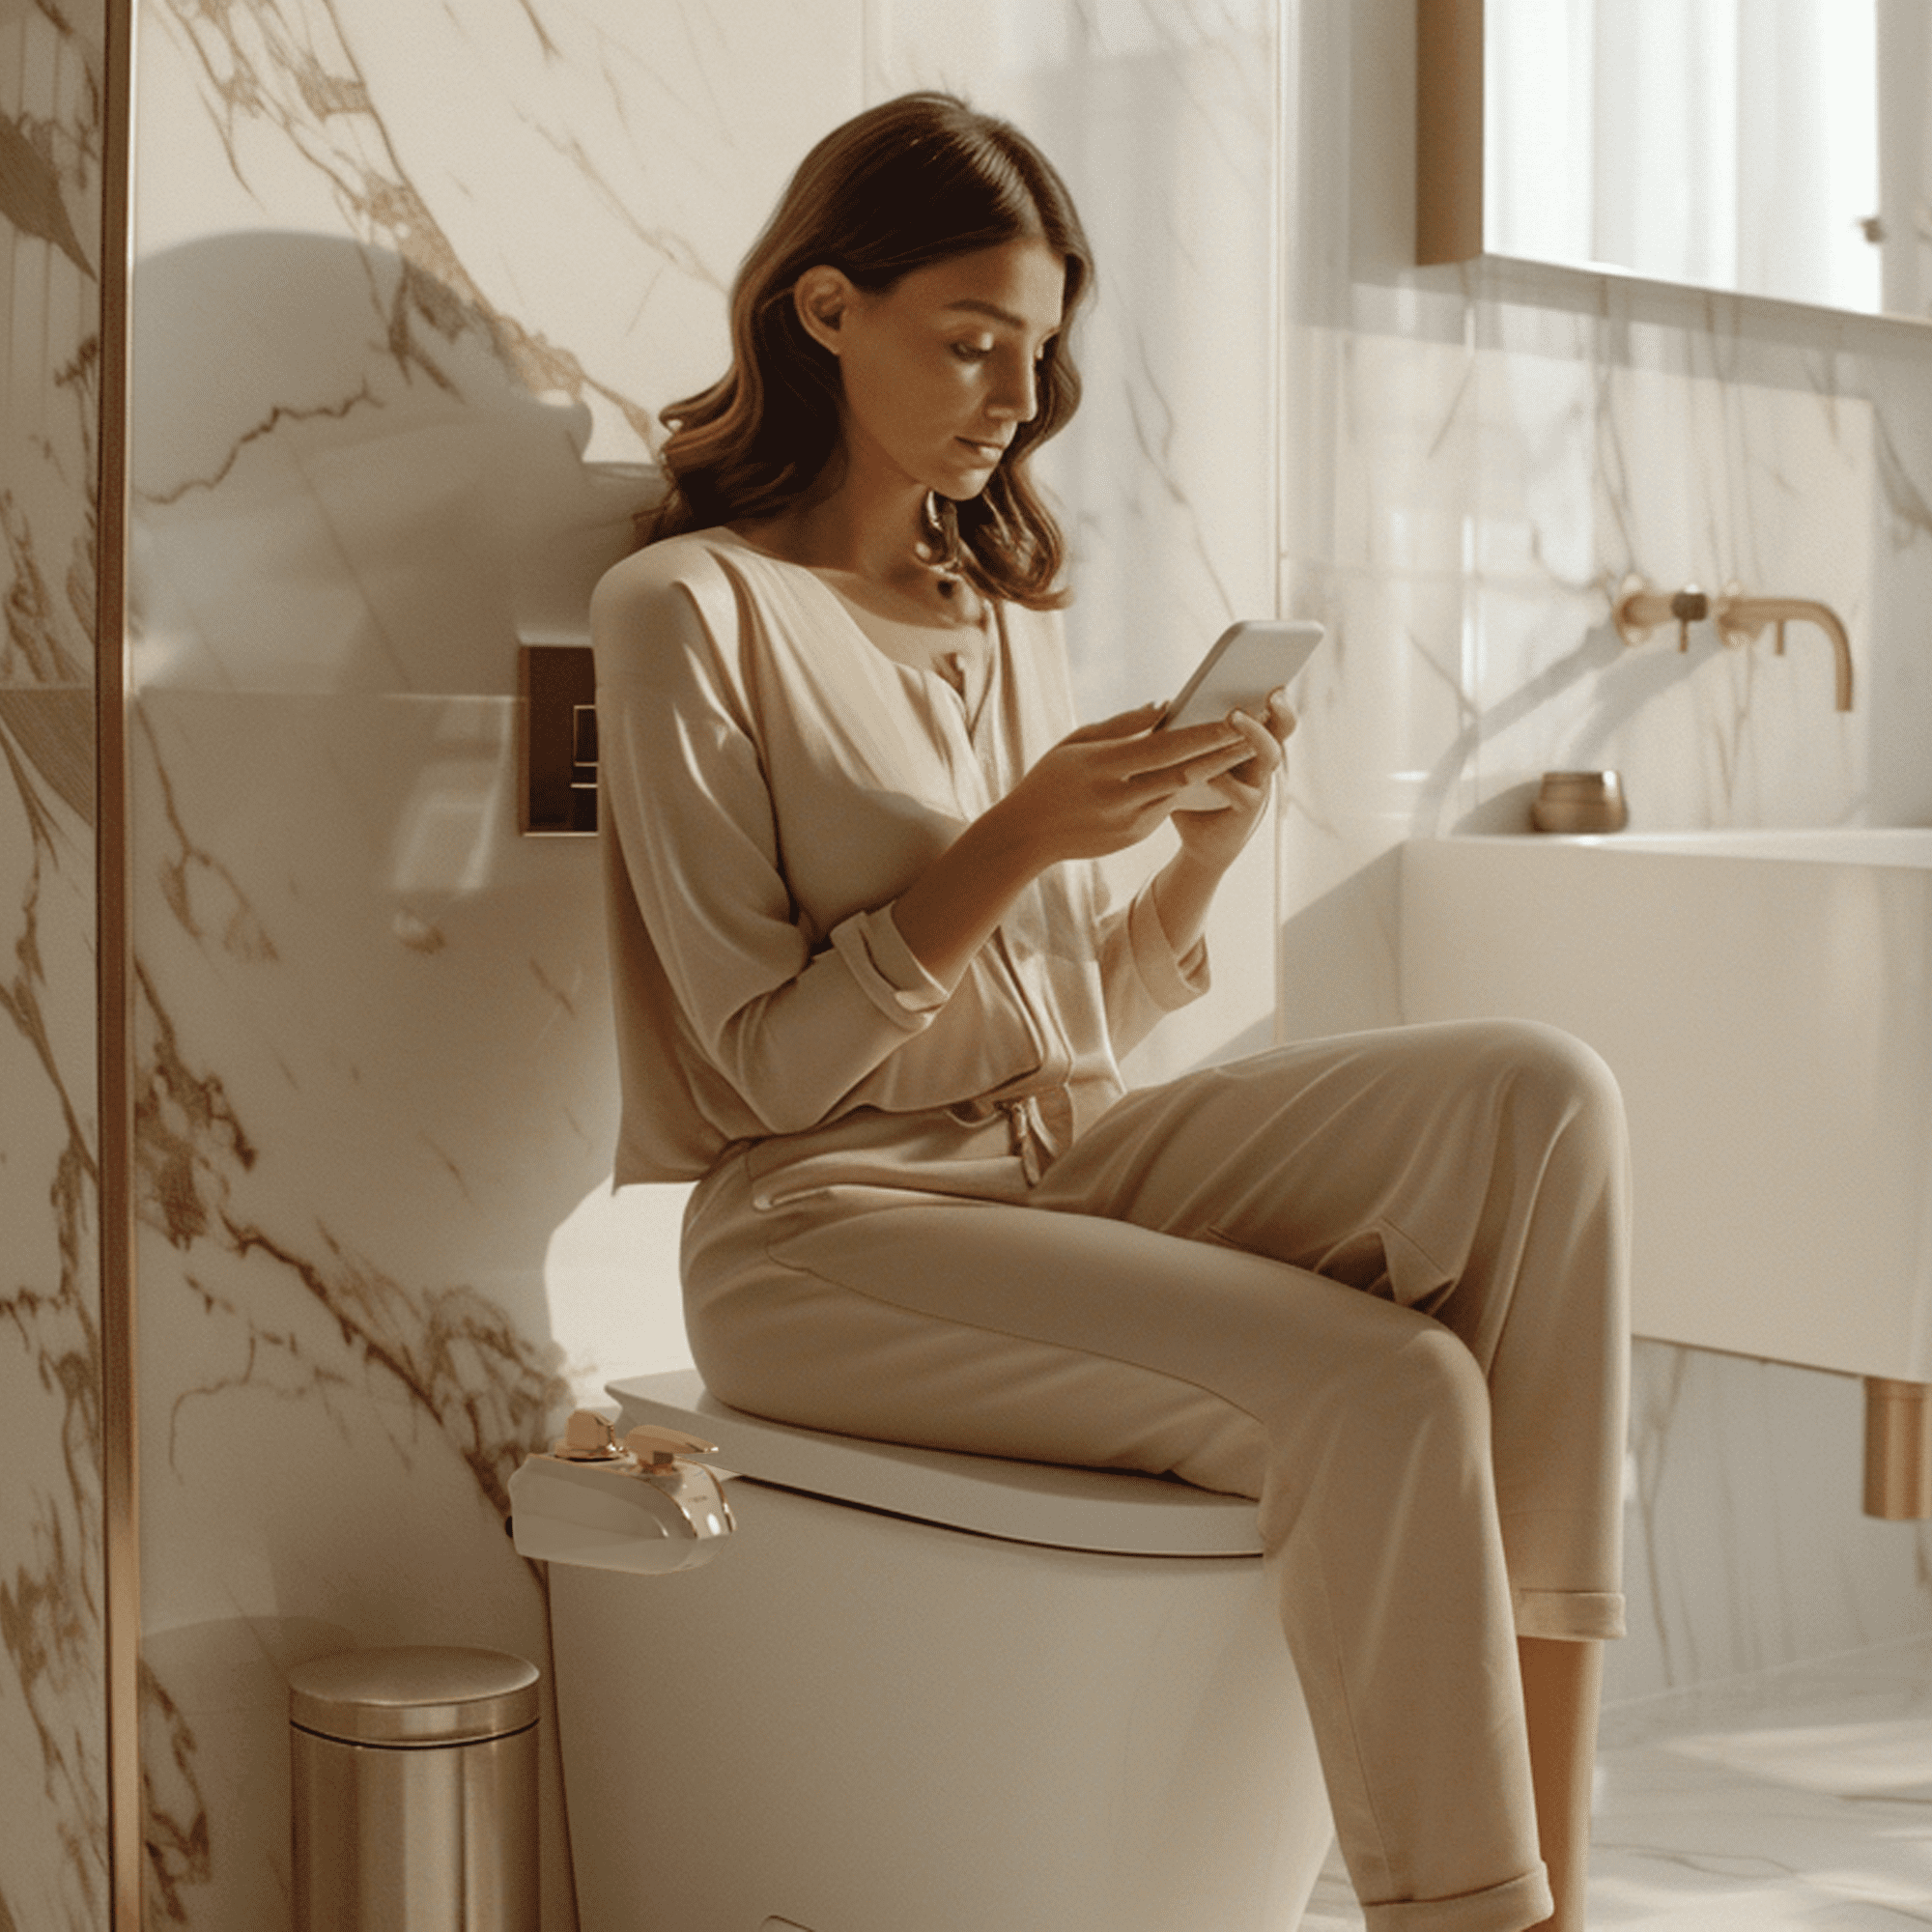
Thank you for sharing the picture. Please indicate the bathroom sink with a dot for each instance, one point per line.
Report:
(1765, 1000)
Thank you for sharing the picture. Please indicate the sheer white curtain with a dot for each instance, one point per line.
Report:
(1808, 141)
(1725, 142)
(1905, 153)
(1540, 115)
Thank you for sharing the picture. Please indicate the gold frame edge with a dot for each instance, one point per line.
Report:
(114, 942)
(1448, 130)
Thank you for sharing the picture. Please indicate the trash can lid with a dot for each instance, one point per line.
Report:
(420, 1694)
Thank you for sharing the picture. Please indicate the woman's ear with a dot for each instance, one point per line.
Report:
(822, 297)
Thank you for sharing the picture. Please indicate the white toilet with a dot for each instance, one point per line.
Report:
(927, 1692)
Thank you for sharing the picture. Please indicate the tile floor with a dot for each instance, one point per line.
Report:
(1799, 1798)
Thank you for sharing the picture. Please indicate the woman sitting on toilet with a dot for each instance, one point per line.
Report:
(868, 989)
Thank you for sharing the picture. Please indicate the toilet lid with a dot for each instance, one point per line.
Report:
(1111, 1510)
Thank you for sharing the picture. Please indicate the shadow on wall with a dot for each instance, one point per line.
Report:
(373, 1013)
(1337, 956)
(341, 481)
(374, 1076)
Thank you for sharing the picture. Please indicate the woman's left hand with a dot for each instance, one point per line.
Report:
(1215, 839)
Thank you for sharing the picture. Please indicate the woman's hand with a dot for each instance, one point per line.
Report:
(1107, 785)
(1100, 789)
(1215, 839)
(1210, 840)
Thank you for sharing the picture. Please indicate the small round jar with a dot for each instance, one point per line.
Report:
(1579, 802)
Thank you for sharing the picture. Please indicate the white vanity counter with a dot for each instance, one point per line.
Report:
(1765, 1000)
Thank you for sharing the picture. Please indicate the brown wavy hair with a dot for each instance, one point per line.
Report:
(913, 181)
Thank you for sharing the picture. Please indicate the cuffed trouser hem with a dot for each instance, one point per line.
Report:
(1510, 1907)
(1577, 1615)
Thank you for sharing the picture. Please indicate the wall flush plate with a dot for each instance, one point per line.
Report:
(558, 729)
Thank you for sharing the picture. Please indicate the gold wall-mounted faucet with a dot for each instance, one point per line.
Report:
(1740, 618)
(1636, 609)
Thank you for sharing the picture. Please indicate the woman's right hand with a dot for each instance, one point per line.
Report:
(1107, 785)
(1100, 789)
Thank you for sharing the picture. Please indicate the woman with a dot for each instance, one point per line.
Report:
(867, 990)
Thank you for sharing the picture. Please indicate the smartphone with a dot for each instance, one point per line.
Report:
(1247, 660)
(1246, 663)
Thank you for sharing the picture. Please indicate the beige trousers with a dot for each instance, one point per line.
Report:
(1376, 1282)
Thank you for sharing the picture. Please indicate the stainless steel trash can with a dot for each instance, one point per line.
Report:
(416, 1791)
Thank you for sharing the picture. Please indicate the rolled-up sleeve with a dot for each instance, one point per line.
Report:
(887, 969)
(1142, 978)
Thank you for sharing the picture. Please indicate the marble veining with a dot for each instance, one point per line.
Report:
(51, 1600)
(407, 274)
(33, 196)
(40, 648)
(53, 1800)
(286, 68)
(373, 1080)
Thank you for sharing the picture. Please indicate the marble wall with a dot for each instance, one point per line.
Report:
(53, 1788)
(413, 281)
(1470, 460)
(1475, 457)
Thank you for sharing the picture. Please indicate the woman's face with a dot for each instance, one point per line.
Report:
(941, 369)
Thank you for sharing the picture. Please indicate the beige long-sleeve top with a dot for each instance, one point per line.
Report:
(770, 781)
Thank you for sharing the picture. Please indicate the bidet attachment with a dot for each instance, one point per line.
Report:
(636, 1506)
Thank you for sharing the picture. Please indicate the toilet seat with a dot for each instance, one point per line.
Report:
(1118, 1512)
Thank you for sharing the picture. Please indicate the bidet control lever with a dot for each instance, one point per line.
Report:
(656, 1447)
